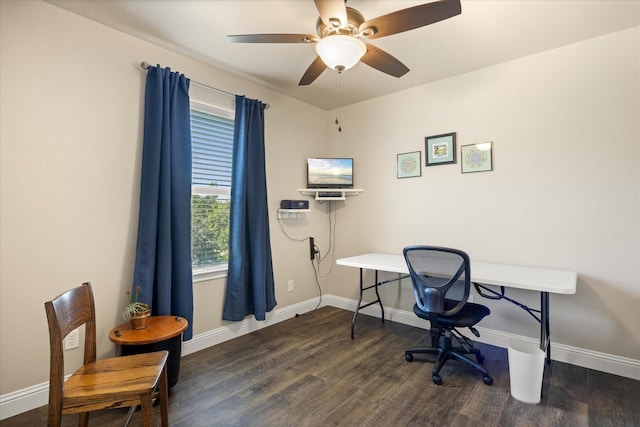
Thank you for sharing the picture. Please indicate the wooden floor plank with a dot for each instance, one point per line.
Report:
(307, 371)
(607, 401)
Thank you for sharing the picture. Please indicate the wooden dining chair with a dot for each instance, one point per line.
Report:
(117, 382)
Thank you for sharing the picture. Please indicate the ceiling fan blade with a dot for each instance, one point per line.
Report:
(273, 38)
(382, 61)
(313, 72)
(332, 12)
(410, 18)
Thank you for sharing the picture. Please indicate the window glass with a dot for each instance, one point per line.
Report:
(212, 150)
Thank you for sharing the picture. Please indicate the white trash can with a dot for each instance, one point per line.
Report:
(526, 367)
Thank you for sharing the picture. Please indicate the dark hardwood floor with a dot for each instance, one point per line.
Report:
(307, 371)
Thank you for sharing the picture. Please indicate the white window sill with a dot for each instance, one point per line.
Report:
(201, 274)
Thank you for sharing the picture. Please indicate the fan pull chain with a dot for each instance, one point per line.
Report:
(338, 100)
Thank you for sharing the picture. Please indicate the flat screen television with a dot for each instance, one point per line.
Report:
(329, 173)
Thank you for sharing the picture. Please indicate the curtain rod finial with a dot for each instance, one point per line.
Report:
(144, 65)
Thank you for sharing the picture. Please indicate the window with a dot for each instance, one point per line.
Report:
(212, 150)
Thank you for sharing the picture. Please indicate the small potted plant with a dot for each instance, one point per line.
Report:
(136, 312)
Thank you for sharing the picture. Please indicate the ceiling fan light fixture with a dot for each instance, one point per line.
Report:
(340, 52)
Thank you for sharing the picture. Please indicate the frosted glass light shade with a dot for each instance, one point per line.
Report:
(340, 52)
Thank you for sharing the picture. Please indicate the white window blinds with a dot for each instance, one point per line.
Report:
(212, 150)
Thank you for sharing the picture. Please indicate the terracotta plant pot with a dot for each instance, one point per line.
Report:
(141, 320)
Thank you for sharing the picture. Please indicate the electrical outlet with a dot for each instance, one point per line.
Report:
(72, 340)
(312, 248)
(290, 286)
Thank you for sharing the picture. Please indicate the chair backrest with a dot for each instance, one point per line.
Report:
(65, 313)
(434, 271)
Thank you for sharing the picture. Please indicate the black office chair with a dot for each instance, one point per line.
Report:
(435, 272)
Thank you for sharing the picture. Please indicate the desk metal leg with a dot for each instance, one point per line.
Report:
(377, 300)
(355, 313)
(543, 319)
(378, 296)
(545, 336)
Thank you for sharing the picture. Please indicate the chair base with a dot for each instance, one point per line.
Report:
(445, 352)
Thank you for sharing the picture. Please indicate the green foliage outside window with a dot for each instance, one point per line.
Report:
(210, 229)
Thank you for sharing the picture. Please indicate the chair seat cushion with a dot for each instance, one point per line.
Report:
(468, 316)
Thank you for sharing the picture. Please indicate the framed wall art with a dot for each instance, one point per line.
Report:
(477, 157)
(409, 165)
(440, 149)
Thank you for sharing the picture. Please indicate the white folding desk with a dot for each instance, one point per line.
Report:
(543, 280)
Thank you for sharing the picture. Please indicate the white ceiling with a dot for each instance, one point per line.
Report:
(487, 32)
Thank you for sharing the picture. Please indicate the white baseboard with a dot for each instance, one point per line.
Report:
(609, 363)
(24, 400)
(35, 396)
(248, 325)
(29, 398)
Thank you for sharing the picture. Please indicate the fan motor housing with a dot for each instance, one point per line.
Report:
(354, 20)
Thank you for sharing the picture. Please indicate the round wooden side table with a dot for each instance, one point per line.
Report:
(163, 333)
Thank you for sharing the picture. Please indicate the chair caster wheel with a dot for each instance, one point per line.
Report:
(487, 380)
(408, 357)
(437, 379)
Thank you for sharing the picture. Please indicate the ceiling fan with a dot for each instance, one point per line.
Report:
(342, 32)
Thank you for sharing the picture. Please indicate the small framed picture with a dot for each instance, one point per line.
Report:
(440, 149)
(477, 157)
(409, 165)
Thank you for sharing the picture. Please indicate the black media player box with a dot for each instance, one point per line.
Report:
(294, 204)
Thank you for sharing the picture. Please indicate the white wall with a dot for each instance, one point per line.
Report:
(564, 192)
(71, 112)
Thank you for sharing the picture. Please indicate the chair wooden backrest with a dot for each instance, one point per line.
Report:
(64, 314)
(69, 311)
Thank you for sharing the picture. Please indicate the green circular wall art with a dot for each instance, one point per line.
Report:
(476, 157)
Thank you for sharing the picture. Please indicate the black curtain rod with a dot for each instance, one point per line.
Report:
(145, 65)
